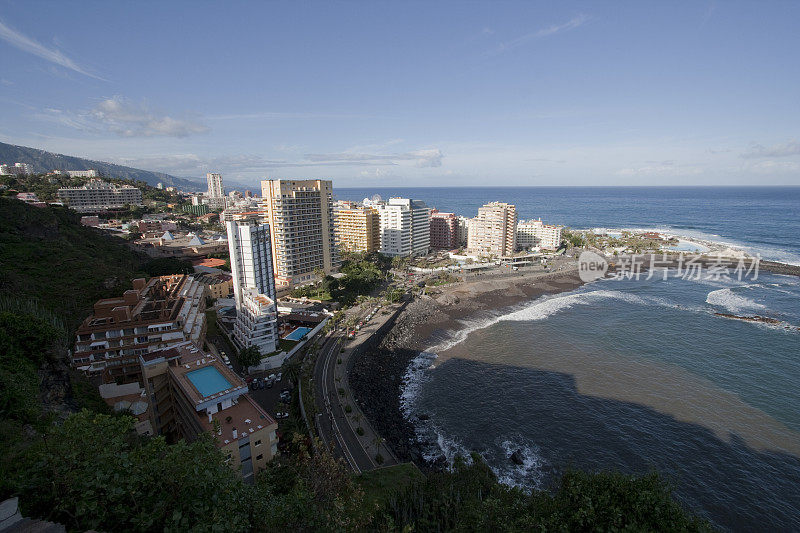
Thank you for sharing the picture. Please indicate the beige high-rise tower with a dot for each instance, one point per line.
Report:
(300, 215)
(494, 230)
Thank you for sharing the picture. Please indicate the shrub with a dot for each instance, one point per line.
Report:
(360, 431)
(348, 408)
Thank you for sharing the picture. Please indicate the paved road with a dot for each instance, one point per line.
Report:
(336, 429)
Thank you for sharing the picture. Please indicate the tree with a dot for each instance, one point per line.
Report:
(164, 266)
(291, 370)
(93, 472)
(249, 356)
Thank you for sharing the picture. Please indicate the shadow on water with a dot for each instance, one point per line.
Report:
(735, 486)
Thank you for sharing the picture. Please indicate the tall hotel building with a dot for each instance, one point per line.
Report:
(357, 228)
(249, 245)
(216, 191)
(300, 216)
(405, 227)
(444, 230)
(215, 187)
(494, 230)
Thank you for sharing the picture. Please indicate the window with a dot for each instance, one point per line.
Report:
(259, 457)
(257, 443)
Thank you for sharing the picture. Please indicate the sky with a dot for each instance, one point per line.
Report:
(412, 93)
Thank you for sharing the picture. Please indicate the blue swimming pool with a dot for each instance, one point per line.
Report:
(208, 381)
(297, 334)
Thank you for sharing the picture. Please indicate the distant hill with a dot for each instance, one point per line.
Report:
(46, 161)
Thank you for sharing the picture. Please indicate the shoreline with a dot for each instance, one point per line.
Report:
(377, 375)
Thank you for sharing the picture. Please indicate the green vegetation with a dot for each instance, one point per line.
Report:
(361, 274)
(249, 356)
(89, 469)
(469, 498)
(164, 266)
(46, 254)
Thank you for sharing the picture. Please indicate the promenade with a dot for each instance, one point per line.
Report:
(337, 427)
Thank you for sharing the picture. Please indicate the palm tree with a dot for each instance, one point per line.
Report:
(378, 442)
(291, 369)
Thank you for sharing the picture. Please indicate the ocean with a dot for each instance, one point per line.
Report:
(761, 220)
(633, 375)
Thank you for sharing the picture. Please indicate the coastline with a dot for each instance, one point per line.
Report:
(378, 374)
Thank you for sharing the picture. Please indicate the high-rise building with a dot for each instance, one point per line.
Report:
(215, 187)
(98, 195)
(249, 246)
(494, 230)
(154, 314)
(358, 228)
(405, 227)
(444, 230)
(462, 230)
(533, 233)
(300, 216)
(191, 392)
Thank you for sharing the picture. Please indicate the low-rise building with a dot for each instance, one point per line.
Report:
(18, 169)
(83, 173)
(534, 233)
(217, 285)
(155, 314)
(192, 392)
(98, 195)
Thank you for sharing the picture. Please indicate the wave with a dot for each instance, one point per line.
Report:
(412, 380)
(768, 252)
(732, 302)
(529, 474)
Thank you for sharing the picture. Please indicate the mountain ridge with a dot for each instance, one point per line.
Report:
(44, 161)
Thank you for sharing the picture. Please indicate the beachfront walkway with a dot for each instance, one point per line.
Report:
(337, 427)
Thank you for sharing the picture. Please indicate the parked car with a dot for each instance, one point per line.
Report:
(279, 376)
(268, 383)
(271, 377)
(281, 415)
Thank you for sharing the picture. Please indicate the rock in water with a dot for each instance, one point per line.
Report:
(516, 458)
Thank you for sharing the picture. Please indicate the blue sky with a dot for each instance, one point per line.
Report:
(407, 93)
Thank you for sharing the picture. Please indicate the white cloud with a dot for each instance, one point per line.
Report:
(26, 44)
(575, 22)
(776, 167)
(420, 158)
(779, 150)
(128, 119)
(665, 168)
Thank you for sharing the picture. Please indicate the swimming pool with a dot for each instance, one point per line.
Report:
(297, 334)
(208, 381)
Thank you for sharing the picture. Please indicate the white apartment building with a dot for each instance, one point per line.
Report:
(256, 321)
(300, 216)
(18, 169)
(215, 187)
(493, 231)
(249, 245)
(405, 227)
(462, 230)
(534, 233)
(83, 173)
(98, 195)
(250, 250)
